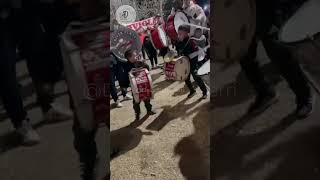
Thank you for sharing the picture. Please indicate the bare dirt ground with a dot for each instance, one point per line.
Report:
(171, 145)
(271, 146)
(55, 157)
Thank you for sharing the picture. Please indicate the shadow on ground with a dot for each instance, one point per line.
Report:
(230, 152)
(238, 92)
(193, 149)
(170, 113)
(127, 138)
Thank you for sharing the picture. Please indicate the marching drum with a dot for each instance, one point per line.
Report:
(301, 33)
(122, 39)
(178, 69)
(173, 23)
(234, 28)
(159, 38)
(204, 69)
(141, 84)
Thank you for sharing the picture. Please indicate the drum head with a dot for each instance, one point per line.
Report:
(303, 24)
(179, 19)
(163, 36)
(234, 28)
(123, 39)
(204, 69)
(182, 68)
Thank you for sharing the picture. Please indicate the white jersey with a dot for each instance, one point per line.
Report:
(197, 14)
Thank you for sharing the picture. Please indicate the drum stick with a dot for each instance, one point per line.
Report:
(197, 26)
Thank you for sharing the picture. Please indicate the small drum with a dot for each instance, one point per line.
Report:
(178, 69)
(141, 84)
(173, 23)
(159, 38)
(234, 28)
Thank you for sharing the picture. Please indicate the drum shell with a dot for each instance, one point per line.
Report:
(170, 28)
(79, 74)
(181, 69)
(156, 39)
(134, 87)
(234, 29)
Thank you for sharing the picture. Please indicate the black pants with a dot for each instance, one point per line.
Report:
(117, 73)
(136, 106)
(153, 59)
(197, 78)
(9, 90)
(288, 66)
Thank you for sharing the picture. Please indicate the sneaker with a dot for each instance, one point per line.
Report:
(152, 112)
(58, 113)
(191, 94)
(127, 97)
(28, 134)
(118, 104)
(262, 103)
(305, 109)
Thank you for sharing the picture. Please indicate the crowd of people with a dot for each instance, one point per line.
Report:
(185, 45)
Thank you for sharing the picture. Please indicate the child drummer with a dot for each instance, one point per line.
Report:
(133, 58)
(187, 47)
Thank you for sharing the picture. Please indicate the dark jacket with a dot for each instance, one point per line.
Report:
(187, 47)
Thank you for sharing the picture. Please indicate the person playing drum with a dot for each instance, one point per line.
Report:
(187, 47)
(280, 56)
(134, 61)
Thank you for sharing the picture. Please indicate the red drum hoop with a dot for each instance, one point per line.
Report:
(159, 40)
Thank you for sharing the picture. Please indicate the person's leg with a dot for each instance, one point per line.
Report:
(151, 60)
(155, 57)
(37, 50)
(199, 81)
(291, 70)
(190, 86)
(136, 107)
(266, 95)
(148, 105)
(9, 90)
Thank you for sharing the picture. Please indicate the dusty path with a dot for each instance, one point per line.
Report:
(171, 145)
(271, 146)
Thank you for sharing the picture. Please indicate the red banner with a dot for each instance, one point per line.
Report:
(144, 24)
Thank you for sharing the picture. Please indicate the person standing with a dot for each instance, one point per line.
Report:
(282, 58)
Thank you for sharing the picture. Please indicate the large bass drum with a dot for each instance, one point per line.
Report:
(159, 38)
(173, 23)
(234, 28)
(122, 39)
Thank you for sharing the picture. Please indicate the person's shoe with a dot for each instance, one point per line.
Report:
(204, 96)
(152, 112)
(263, 102)
(57, 113)
(191, 94)
(127, 97)
(118, 104)
(305, 109)
(28, 134)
